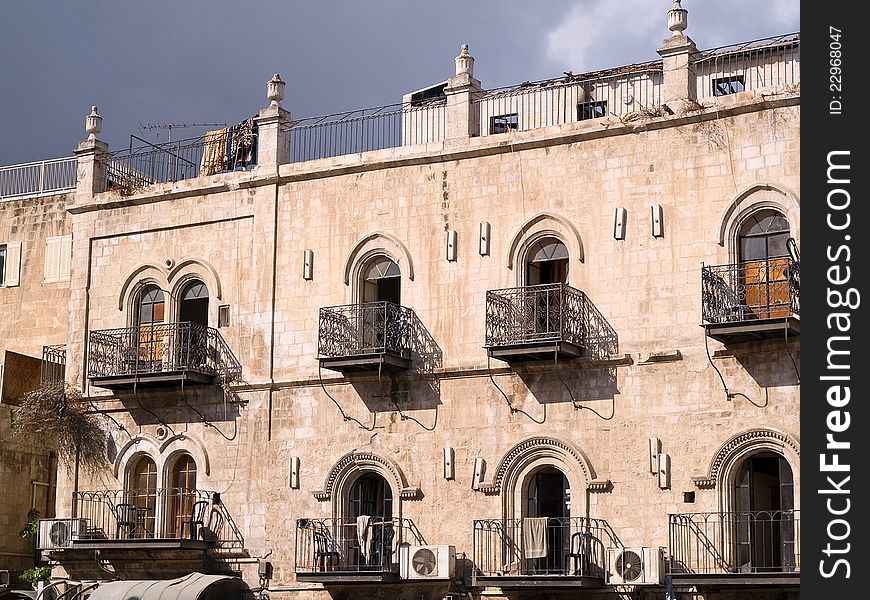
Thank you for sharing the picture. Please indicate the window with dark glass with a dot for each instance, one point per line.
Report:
(728, 85)
(370, 514)
(382, 281)
(764, 514)
(548, 508)
(194, 304)
(547, 262)
(504, 123)
(591, 110)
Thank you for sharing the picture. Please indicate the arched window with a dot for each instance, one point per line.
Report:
(369, 513)
(151, 307)
(764, 532)
(193, 304)
(546, 520)
(150, 314)
(763, 264)
(141, 507)
(547, 262)
(381, 281)
(182, 493)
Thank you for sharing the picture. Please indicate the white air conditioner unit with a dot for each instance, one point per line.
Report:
(427, 562)
(59, 533)
(636, 566)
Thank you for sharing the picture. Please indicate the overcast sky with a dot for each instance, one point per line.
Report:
(207, 61)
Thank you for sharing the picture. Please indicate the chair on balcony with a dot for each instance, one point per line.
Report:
(382, 546)
(582, 552)
(125, 519)
(195, 520)
(326, 557)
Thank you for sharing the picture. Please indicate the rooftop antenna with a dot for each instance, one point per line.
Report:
(171, 126)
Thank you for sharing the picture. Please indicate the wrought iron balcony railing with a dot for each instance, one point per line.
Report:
(161, 348)
(530, 546)
(547, 313)
(151, 514)
(53, 365)
(370, 328)
(751, 290)
(339, 545)
(735, 542)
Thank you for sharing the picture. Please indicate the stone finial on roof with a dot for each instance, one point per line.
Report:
(678, 19)
(464, 62)
(93, 124)
(275, 90)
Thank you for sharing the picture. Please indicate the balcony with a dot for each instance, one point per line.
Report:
(751, 300)
(566, 552)
(160, 354)
(53, 365)
(366, 337)
(759, 548)
(142, 519)
(540, 322)
(335, 551)
(156, 533)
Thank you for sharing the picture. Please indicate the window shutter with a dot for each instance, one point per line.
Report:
(52, 251)
(57, 258)
(13, 263)
(63, 266)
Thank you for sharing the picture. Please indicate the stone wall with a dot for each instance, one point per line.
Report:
(592, 419)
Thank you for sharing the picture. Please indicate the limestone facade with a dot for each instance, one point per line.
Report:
(292, 439)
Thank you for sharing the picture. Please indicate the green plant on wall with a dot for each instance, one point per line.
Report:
(31, 526)
(36, 574)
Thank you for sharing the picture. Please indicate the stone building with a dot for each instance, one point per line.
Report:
(533, 342)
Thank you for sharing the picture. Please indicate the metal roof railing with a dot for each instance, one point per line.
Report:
(38, 178)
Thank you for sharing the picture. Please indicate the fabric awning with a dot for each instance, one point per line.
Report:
(195, 586)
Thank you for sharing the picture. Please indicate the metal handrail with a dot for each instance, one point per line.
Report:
(368, 328)
(737, 542)
(38, 178)
(750, 290)
(568, 546)
(161, 347)
(332, 544)
(554, 312)
(155, 513)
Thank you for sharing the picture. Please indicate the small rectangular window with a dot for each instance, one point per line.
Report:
(591, 110)
(504, 123)
(224, 315)
(2, 265)
(728, 85)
